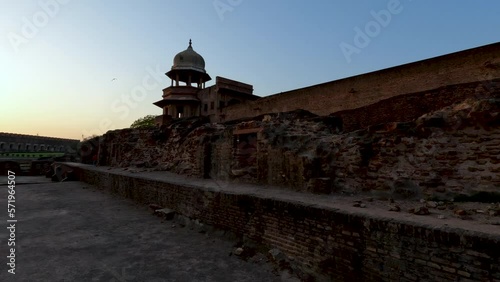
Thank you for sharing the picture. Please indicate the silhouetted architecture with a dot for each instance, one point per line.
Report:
(22, 143)
(187, 95)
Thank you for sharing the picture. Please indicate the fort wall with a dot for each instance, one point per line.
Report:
(441, 154)
(328, 241)
(480, 64)
(405, 108)
(426, 130)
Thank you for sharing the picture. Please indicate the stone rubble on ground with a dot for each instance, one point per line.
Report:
(238, 251)
(395, 208)
(419, 211)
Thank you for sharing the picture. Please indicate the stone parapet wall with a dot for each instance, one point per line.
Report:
(328, 242)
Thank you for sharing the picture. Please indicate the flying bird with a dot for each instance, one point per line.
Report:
(113, 79)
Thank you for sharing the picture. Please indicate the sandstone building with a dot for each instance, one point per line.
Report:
(22, 143)
(18, 152)
(187, 95)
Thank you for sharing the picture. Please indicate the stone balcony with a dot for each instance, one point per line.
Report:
(180, 90)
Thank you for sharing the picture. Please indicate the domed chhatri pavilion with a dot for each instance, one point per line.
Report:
(187, 95)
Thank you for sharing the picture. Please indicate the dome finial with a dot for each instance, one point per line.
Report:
(189, 42)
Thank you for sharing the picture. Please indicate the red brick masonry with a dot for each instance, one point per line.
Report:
(332, 240)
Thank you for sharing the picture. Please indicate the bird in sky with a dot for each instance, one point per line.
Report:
(113, 79)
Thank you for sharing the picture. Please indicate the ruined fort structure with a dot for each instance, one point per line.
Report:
(187, 95)
(276, 168)
(410, 130)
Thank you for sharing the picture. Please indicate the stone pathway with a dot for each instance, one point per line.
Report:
(70, 231)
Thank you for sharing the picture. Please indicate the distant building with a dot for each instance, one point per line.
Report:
(22, 143)
(187, 95)
(31, 155)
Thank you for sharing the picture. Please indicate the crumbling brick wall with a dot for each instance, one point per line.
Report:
(441, 154)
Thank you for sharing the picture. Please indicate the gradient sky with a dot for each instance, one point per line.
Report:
(57, 63)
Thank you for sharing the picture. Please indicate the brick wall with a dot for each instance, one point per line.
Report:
(329, 243)
(441, 154)
(411, 106)
(478, 64)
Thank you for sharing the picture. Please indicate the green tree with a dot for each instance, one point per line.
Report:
(144, 122)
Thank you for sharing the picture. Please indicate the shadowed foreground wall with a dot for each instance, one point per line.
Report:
(330, 243)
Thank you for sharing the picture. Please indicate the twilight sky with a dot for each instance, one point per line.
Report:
(59, 58)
